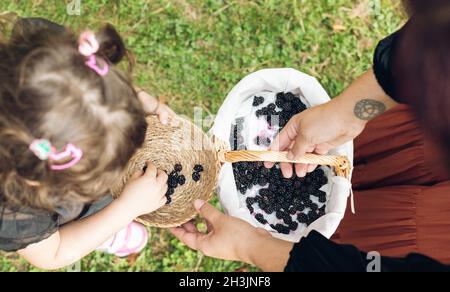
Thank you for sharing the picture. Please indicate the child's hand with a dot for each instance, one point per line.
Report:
(155, 107)
(145, 191)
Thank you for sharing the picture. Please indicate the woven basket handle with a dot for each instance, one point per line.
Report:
(340, 163)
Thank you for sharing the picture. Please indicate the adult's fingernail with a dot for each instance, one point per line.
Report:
(198, 204)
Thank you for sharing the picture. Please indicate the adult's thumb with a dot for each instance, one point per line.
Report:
(207, 211)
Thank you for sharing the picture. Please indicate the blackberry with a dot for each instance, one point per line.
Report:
(289, 96)
(262, 181)
(181, 180)
(273, 113)
(276, 206)
(258, 113)
(321, 212)
(286, 204)
(250, 201)
(293, 226)
(264, 192)
(287, 106)
(172, 182)
(282, 191)
(302, 218)
(307, 202)
(298, 205)
(260, 218)
(178, 167)
(284, 230)
(264, 172)
(310, 189)
(263, 205)
(170, 192)
(280, 228)
(297, 184)
(298, 104)
(198, 168)
(279, 214)
(273, 188)
(271, 107)
(173, 173)
(250, 208)
(322, 199)
(258, 100)
(270, 209)
(292, 210)
(297, 193)
(279, 102)
(313, 207)
(319, 172)
(280, 95)
(312, 216)
(287, 219)
(196, 176)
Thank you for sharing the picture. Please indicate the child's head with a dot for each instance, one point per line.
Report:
(48, 92)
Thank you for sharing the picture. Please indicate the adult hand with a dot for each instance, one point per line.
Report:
(322, 128)
(155, 107)
(230, 238)
(316, 130)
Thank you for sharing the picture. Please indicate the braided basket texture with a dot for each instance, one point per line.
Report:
(166, 145)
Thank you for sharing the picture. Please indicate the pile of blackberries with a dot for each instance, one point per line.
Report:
(196, 174)
(279, 113)
(291, 201)
(175, 179)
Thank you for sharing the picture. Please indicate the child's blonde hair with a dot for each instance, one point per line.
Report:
(47, 91)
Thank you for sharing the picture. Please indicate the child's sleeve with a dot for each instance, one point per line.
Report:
(22, 227)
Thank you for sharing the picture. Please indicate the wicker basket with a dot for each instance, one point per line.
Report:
(182, 142)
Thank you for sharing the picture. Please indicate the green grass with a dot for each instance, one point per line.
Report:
(195, 51)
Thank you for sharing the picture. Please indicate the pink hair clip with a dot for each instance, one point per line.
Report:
(70, 152)
(44, 150)
(88, 47)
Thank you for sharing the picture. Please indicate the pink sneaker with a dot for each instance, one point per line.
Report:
(130, 240)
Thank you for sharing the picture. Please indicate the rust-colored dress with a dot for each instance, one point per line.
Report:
(402, 199)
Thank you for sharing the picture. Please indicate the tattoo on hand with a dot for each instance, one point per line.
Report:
(368, 109)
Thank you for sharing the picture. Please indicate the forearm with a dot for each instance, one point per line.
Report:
(77, 239)
(82, 237)
(269, 254)
(363, 100)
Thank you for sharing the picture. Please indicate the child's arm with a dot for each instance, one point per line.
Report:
(143, 194)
